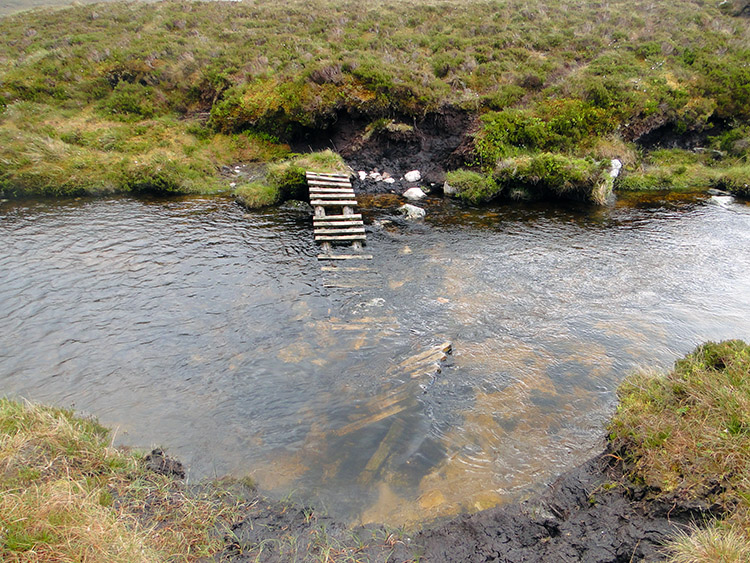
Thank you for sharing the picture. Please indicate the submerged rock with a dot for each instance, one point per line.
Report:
(412, 211)
(414, 194)
(298, 206)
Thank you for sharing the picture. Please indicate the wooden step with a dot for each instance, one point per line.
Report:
(339, 195)
(341, 203)
(352, 230)
(352, 217)
(330, 238)
(344, 256)
(331, 190)
(332, 183)
(335, 176)
(345, 269)
(359, 224)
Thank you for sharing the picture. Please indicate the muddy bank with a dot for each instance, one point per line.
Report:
(433, 145)
(591, 513)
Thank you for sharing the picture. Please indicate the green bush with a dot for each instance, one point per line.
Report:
(130, 101)
(556, 176)
(473, 187)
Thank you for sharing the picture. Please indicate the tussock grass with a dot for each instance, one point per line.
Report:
(67, 496)
(286, 180)
(561, 76)
(687, 433)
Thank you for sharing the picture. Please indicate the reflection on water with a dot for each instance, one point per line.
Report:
(191, 324)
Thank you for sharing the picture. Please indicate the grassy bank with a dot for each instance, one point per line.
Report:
(686, 436)
(186, 87)
(66, 495)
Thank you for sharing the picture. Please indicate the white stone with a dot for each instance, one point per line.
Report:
(362, 175)
(414, 194)
(412, 211)
(616, 166)
(375, 176)
(413, 176)
(390, 180)
(232, 184)
(449, 190)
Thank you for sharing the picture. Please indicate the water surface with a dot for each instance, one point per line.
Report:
(191, 324)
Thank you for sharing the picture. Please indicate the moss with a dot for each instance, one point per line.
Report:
(473, 187)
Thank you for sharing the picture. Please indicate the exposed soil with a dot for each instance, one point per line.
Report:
(433, 145)
(589, 514)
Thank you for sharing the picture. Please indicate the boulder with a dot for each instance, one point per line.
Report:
(615, 167)
(362, 175)
(412, 211)
(414, 194)
(413, 176)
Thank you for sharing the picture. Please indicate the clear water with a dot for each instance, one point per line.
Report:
(191, 324)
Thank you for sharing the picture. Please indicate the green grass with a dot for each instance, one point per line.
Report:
(687, 433)
(562, 76)
(66, 495)
(286, 180)
(536, 176)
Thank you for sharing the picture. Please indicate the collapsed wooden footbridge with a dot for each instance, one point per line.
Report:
(335, 221)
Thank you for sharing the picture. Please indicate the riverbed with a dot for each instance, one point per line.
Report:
(192, 324)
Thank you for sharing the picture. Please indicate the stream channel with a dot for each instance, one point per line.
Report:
(192, 324)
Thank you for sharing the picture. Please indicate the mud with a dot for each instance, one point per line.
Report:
(433, 145)
(592, 513)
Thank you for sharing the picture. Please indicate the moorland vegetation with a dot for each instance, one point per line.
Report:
(122, 97)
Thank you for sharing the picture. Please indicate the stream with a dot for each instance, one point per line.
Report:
(194, 325)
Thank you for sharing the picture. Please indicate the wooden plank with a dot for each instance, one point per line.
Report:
(372, 419)
(344, 256)
(340, 193)
(344, 231)
(333, 202)
(338, 224)
(351, 217)
(349, 195)
(384, 451)
(330, 190)
(339, 237)
(344, 269)
(313, 175)
(332, 183)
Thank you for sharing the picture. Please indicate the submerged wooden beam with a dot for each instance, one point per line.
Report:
(332, 238)
(351, 217)
(344, 256)
(338, 203)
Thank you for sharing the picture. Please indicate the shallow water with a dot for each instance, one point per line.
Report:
(190, 324)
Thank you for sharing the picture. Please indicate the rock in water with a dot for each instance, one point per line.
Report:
(449, 190)
(414, 194)
(159, 462)
(412, 211)
(413, 176)
(615, 168)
